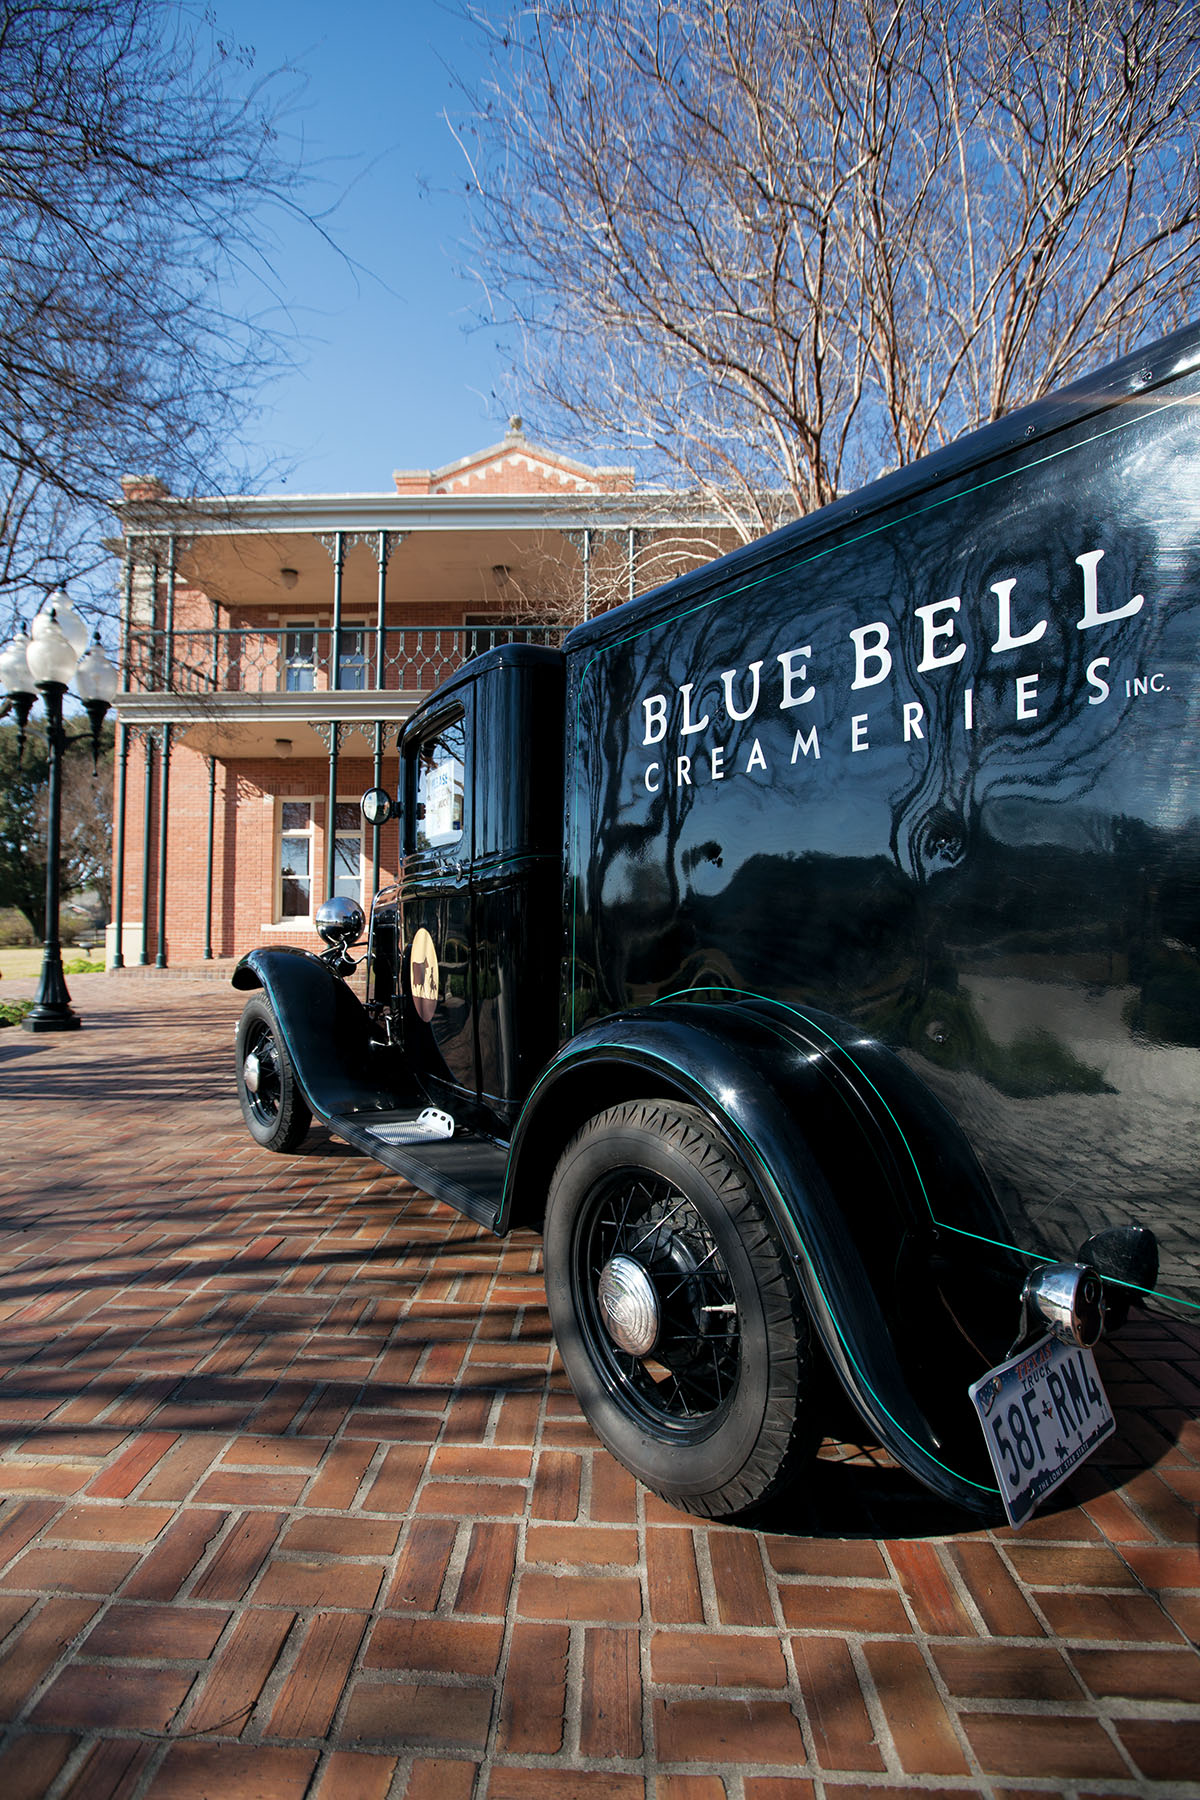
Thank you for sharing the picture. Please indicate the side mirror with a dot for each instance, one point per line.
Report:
(377, 806)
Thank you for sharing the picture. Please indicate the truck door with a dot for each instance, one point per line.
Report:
(436, 906)
(481, 892)
(517, 877)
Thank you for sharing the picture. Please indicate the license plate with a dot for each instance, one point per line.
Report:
(1042, 1412)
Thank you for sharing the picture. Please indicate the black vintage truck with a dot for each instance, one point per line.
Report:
(810, 950)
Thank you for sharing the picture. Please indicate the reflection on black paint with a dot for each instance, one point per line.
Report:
(1014, 909)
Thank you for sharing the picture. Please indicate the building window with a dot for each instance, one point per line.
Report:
(295, 859)
(299, 658)
(347, 851)
(297, 856)
(352, 660)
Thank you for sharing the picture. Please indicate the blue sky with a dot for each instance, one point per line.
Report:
(389, 377)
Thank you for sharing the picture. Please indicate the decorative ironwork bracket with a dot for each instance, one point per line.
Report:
(160, 736)
(381, 544)
(334, 732)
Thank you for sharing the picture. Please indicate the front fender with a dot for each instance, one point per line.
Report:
(327, 1034)
(857, 1163)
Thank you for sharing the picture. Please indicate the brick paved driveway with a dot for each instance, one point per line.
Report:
(295, 1502)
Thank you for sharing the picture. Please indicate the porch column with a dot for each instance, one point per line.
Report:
(376, 781)
(329, 731)
(208, 866)
(331, 812)
(335, 543)
(387, 542)
(127, 615)
(147, 825)
(169, 621)
(167, 682)
(118, 871)
(156, 648)
(336, 546)
(164, 782)
(122, 749)
(581, 540)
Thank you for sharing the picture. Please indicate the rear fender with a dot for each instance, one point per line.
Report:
(856, 1162)
(327, 1034)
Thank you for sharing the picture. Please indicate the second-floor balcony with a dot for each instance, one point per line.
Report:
(303, 659)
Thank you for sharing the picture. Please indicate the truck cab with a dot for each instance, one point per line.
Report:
(463, 949)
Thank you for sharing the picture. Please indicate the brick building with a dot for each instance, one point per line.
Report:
(272, 649)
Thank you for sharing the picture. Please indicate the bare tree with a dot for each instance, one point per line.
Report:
(138, 156)
(556, 582)
(781, 245)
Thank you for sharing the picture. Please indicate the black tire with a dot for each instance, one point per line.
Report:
(714, 1415)
(275, 1111)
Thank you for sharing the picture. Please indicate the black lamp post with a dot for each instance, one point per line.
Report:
(46, 663)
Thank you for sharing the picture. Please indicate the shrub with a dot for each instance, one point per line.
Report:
(15, 929)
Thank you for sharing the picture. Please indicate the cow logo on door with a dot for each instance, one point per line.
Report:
(423, 974)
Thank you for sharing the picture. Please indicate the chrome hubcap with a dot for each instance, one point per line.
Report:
(250, 1073)
(656, 1302)
(628, 1305)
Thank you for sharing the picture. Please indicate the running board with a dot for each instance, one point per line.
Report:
(465, 1171)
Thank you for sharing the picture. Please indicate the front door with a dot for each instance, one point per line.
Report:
(439, 1012)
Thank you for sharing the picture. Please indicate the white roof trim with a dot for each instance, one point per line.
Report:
(280, 513)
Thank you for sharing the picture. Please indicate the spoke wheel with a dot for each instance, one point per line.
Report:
(272, 1105)
(685, 1375)
(675, 1311)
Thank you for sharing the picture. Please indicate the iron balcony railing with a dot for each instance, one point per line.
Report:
(299, 659)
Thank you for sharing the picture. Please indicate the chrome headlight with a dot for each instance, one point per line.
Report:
(340, 921)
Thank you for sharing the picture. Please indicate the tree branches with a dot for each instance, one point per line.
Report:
(780, 245)
(135, 166)
(86, 837)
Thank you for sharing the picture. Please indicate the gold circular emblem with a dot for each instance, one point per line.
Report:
(423, 974)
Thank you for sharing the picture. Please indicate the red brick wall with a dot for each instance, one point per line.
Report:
(243, 847)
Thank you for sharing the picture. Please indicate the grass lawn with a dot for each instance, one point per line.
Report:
(24, 964)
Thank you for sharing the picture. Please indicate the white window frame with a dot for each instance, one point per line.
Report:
(288, 626)
(365, 626)
(363, 859)
(312, 801)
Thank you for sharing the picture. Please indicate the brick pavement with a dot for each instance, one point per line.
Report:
(297, 1503)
